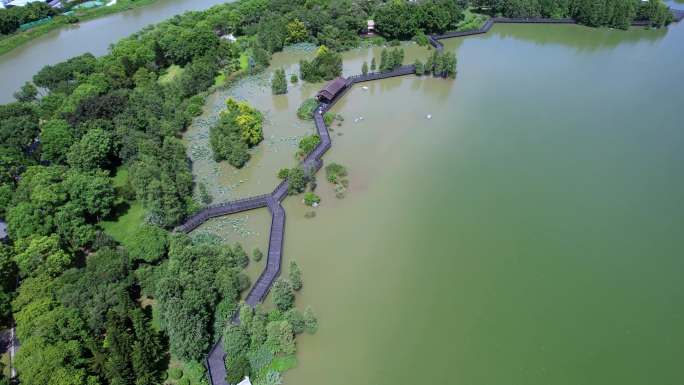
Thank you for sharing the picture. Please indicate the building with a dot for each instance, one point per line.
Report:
(246, 381)
(331, 90)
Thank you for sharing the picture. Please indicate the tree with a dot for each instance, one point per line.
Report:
(296, 31)
(92, 151)
(41, 255)
(279, 82)
(373, 66)
(420, 69)
(148, 244)
(295, 276)
(310, 321)
(237, 368)
(280, 337)
(308, 144)
(239, 127)
(55, 140)
(384, 60)
(283, 295)
(296, 181)
(326, 65)
(27, 93)
(235, 341)
(364, 68)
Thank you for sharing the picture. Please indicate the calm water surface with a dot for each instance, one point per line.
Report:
(529, 233)
(94, 36)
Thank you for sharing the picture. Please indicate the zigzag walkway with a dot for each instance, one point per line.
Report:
(312, 163)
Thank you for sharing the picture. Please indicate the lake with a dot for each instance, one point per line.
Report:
(530, 232)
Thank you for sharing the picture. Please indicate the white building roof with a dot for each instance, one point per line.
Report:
(246, 381)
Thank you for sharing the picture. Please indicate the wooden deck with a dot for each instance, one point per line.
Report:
(312, 163)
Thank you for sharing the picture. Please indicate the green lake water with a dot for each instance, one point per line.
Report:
(530, 232)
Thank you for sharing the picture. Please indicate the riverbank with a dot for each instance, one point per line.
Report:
(10, 42)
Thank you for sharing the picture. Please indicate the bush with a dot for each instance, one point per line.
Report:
(327, 65)
(237, 368)
(294, 78)
(297, 181)
(257, 255)
(420, 69)
(283, 172)
(279, 83)
(239, 128)
(306, 110)
(283, 295)
(308, 144)
(183, 381)
(334, 172)
(310, 199)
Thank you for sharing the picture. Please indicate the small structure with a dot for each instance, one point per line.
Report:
(3, 230)
(246, 381)
(370, 28)
(230, 37)
(331, 90)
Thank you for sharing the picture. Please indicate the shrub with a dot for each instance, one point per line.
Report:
(420, 69)
(257, 255)
(294, 78)
(308, 144)
(325, 66)
(306, 110)
(334, 172)
(283, 295)
(310, 199)
(282, 173)
(297, 181)
(239, 128)
(184, 381)
(279, 83)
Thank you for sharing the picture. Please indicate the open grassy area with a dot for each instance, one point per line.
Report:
(171, 73)
(129, 215)
(10, 42)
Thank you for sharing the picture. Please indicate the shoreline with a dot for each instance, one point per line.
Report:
(16, 40)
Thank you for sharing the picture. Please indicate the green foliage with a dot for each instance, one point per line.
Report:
(257, 255)
(297, 181)
(279, 82)
(401, 19)
(334, 172)
(308, 144)
(311, 199)
(441, 64)
(283, 173)
(364, 68)
(12, 18)
(310, 321)
(373, 65)
(326, 65)
(294, 78)
(280, 337)
(283, 295)
(295, 275)
(237, 368)
(390, 60)
(149, 244)
(186, 297)
(205, 197)
(239, 128)
(421, 39)
(55, 139)
(420, 68)
(306, 110)
(92, 151)
(175, 373)
(38, 255)
(296, 31)
(27, 93)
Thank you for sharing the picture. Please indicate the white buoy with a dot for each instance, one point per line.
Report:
(365, 87)
(429, 116)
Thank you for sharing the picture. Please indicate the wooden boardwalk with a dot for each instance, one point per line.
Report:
(215, 361)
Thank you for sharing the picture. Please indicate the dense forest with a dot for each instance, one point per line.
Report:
(93, 137)
(611, 13)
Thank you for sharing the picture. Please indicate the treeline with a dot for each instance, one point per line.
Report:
(12, 18)
(610, 13)
(404, 19)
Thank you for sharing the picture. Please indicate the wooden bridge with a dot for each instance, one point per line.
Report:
(215, 361)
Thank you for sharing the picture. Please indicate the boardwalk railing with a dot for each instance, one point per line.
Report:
(312, 163)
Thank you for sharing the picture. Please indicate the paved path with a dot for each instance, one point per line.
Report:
(312, 163)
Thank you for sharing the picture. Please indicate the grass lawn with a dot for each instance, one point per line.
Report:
(172, 73)
(130, 214)
(126, 225)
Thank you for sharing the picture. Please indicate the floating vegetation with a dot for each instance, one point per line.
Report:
(300, 47)
(217, 227)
